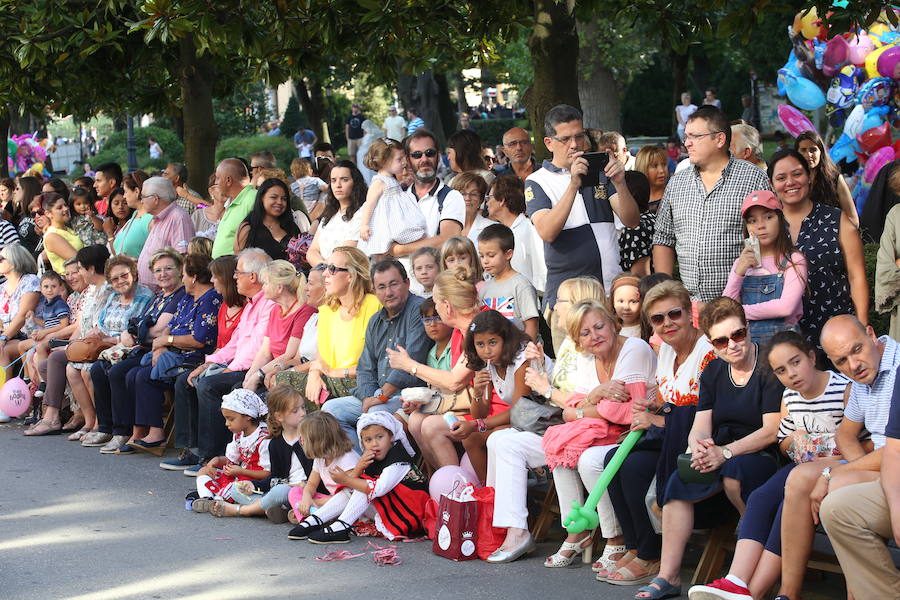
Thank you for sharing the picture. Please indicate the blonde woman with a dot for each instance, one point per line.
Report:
(635, 243)
(349, 304)
(284, 286)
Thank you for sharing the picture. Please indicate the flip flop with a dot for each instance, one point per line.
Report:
(42, 428)
(663, 590)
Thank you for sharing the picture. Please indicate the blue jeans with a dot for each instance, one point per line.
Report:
(348, 410)
(277, 496)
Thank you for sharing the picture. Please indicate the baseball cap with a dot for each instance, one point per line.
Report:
(760, 198)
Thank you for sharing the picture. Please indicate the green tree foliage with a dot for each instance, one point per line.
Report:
(116, 148)
(281, 147)
(244, 112)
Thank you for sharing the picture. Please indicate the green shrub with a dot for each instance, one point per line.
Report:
(491, 130)
(880, 323)
(116, 149)
(244, 147)
(292, 121)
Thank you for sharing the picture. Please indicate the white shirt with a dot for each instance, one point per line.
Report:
(478, 226)
(345, 462)
(309, 343)
(395, 127)
(528, 255)
(685, 111)
(337, 231)
(454, 208)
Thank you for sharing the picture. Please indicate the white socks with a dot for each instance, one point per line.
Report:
(737, 581)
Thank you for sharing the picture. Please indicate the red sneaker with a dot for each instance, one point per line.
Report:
(720, 589)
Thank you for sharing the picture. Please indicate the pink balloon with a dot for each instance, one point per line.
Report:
(466, 465)
(794, 121)
(15, 397)
(445, 479)
(876, 161)
(888, 61)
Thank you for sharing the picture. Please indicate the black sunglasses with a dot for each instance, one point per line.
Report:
(673, 315)
(334, 269)
(736, 336)
(430, 153)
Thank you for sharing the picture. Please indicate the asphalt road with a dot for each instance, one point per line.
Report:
(78, 525)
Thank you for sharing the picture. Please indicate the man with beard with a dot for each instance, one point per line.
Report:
(443, 207)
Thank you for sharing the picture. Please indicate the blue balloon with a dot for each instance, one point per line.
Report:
(790, 68)
(803, 93)
(844, 149)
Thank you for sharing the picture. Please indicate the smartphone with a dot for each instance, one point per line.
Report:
(753, 242)
(597, 162)
(450, 419)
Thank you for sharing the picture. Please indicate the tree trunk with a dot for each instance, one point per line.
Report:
(598, 89)
(462, 105)
(421, 93)
(200, 131)
(312, 100)
(679, 81)
(554, 48)
(445, 104)
(119, 122)
(4, 130)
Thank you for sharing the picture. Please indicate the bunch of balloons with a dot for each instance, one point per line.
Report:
(27, 155)
(856, 77)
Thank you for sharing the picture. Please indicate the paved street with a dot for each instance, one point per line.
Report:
(79, 525)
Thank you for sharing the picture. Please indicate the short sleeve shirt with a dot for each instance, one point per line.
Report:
(51, 312)
(705, 228)
(871, 404)
(514, 298)
(354, 122)
(737, 410)
(9, 302)
(453, 207)
(587, 244)
(282, 329)
(337, 231)
(199, 319)
(231, 220)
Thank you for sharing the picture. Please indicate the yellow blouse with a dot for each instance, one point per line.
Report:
(341, 342)
(57, 261)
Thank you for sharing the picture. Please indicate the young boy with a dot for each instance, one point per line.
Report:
(508, 291)
(51, 315)
(425, 268)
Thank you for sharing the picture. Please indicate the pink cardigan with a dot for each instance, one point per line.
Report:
(564, 444)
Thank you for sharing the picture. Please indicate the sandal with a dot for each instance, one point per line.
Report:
(608, 559)
(45, 428)
(663, 590)
(604, 572)
(626, 575)
(576, 548)
(218, 509)
(74, 424)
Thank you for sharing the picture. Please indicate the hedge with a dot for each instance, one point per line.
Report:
(116, 149)
(491, 130)
(283, 148)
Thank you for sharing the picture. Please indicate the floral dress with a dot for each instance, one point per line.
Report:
(199, 319)
(828, 285)
(9, 302)
(113, 318)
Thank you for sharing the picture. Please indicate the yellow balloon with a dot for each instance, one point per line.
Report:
(808, 24)
(872, 61)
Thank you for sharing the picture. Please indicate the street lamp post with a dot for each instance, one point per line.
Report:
(132, 149)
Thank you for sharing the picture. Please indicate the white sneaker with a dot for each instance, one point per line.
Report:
(4, 418)
(114, 444)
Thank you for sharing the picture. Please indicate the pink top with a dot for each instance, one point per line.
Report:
(171, 227)
(790, 306)
(248, 336)
(282, 329)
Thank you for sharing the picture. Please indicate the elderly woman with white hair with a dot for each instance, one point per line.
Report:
(170, 225)
(18, 296)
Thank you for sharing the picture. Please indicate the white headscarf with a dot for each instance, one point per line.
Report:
(386, 420)
(245, 402)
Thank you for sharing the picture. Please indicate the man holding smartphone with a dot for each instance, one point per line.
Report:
(576, 220)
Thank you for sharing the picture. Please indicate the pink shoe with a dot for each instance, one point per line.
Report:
(720, 589)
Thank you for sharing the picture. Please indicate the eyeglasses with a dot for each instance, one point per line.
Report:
(475, 195)
(122, 277)
(514, 143)
(673, 315)
(578, 137)
(736, 336)
(334, 269)
(241, 273)
(428, 321)
(255, 167)
(143, 197)
(430, 153)
(696, 136)
(162, 270)
(490, 159)
(392, 285)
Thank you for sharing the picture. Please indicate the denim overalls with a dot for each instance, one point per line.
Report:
(762, 288)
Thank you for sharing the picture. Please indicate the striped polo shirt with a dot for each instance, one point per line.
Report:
(871, 404)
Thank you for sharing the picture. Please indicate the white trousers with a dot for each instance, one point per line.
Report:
(510, 454)
(571, 483)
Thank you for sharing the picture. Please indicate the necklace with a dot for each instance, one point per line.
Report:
(744, 378)
(285, 313)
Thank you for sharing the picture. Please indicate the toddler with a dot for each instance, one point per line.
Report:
(246, 456)
(85, 222)
(332, 451)
(425, 268)
(625, 303)
(384, 486)
(388, 214)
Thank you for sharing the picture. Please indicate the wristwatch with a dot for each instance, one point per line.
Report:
(826, 473)
(579, 413)
(482, 426)
(727, 453)
(382, 398)
(170, 340)
(549, 392)
(414, 369)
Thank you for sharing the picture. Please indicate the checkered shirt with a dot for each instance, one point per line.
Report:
(706, 228)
